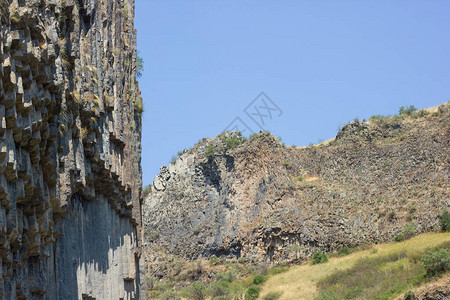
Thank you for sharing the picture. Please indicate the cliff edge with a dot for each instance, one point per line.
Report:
(70, 132)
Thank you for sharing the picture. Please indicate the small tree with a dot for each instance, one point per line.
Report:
(406, 110)
(445, 221)
(139, 65)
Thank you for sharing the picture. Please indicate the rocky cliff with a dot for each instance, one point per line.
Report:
(70, 130)
(259, 199)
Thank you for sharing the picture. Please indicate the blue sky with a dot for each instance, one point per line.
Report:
(323, 63)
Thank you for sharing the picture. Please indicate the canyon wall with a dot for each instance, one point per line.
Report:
(262, 200)
(70, 132)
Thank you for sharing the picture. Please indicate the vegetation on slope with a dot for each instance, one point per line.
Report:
(369, 272)
(381, 272)
(216, 278)
(401, 214)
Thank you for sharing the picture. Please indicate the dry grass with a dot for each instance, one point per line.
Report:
(139, 104)
(435, 109)
(300, 282)
(15, 18)
(83, 133)
(109, 101)
(96, 100)
(77, 97)
(311, 178)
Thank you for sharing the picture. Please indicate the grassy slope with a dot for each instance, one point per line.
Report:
(300, 281)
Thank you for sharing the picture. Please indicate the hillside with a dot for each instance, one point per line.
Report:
(301, 282)
(259, 199)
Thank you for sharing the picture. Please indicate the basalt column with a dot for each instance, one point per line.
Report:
(70, 132)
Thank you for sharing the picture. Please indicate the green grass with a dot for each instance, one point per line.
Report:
(386, 276)
(377, 277)
(377, 273)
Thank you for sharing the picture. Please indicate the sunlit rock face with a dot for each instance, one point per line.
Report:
(70, 131)
(263, 200)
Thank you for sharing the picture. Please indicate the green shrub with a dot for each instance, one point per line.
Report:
(286, 164)
(209, 151)
(197, 291)
(343, 251)
(277, 270)
(300, 178)
(400, 237)
(319, 257)
(219, 289)
(139, 104)
(252, 293)
(378, 118)
(409, 230)
(232, 143)
(445, 221)
(436, 261)
(273, 296)
(406, 110)
(258, 279)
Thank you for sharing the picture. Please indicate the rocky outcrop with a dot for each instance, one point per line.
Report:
(260, 199)
(70, 130)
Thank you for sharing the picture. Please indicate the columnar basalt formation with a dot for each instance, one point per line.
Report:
(70, 131)
(273, 203)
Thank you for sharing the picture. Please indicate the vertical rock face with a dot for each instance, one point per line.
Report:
(70, 130)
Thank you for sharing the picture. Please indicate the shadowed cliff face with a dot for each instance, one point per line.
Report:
(70, 130)
(280, 203)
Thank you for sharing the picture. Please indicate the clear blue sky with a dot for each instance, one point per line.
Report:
(322, 62)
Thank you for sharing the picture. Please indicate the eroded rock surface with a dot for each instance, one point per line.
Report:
(70, 130)
(279, 203)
